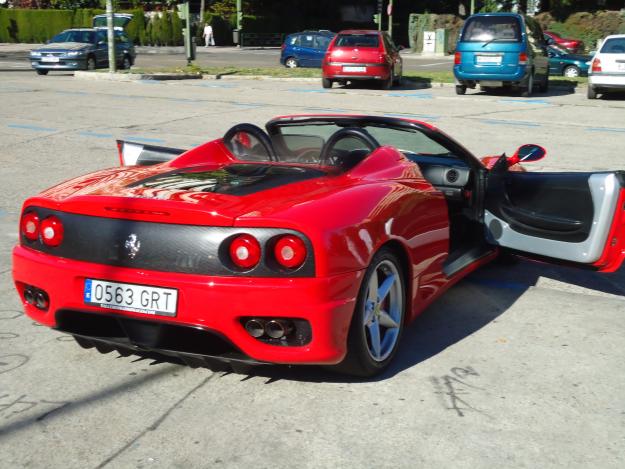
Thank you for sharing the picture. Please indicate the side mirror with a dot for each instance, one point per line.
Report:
(527, 153)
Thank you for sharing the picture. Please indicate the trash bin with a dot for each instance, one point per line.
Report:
(235, 36)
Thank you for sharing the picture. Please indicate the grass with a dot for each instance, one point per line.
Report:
(283, 72)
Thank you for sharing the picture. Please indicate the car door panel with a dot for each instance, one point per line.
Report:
(565, 216)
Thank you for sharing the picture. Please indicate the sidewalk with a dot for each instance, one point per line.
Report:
(16, 48)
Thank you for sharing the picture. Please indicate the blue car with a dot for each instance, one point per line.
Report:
(498, 50)
(305, 49)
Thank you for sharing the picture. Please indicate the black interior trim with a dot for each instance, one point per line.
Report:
(532, 219)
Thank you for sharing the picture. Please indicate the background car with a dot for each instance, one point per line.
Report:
(82, 49)
(573, 45)
(362, 55)
(607, 71)
(498, 50)
(305, 49)
(562, 62)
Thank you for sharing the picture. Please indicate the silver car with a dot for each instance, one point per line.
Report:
(82, 49)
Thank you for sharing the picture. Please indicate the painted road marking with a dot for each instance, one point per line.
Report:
(504, 122)
(411, 95)
(543, 102)
(87, 133)
(605, 129)
(306, 90)
(36, 128)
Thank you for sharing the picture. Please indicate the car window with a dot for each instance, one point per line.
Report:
(357, 40)
(322, 42)
(293, 40)
(121, 37)
(307, 40)
(492, 28)
(74, 36)
(407, 141)
(615, 45)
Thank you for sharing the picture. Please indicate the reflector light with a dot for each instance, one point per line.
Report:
(457, 58)
(30, 226)
(290, 252)
(51, 231)
(245, 251)
(596, 65)
(522, 58)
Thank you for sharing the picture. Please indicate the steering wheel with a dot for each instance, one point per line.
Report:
(327, 152)
(240, 134)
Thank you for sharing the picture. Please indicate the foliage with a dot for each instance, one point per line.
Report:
(490, 6)
(166, 30)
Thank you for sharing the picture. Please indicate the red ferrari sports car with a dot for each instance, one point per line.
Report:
(314, 241)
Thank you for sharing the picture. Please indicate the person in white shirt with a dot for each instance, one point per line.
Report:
(209, 40)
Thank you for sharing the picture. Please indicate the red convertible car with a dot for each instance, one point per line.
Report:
(314, 241)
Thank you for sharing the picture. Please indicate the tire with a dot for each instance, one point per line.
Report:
(591, 93)
(544, 86)
(126, 63)
(527, 91)
(290, 62)
(91, 63)
(326, 83)
(571, 71)
(42, 72)
(366, 355)
(461, 89)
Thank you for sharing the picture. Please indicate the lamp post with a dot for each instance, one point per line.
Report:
(389, 10)
(110, 33)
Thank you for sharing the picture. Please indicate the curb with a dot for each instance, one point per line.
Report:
(83, 75)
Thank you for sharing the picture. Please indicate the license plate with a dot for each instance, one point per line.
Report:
(491, 83)
(354, 69)
(49, 59)
(130, 297)
(488, 59)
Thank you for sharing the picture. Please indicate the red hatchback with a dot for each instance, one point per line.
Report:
(362, 55)
(574, 45)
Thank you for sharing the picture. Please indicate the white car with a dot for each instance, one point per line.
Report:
(607, 70)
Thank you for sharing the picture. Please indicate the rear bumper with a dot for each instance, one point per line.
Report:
(208, 303)
(373, 72)
(509, 74)
(608, 81)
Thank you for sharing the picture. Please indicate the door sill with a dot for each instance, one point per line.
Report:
(465, 258)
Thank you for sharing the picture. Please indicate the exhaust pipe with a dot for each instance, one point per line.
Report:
(41, 300)
(29, 296)
(255, 328)
(276, 328)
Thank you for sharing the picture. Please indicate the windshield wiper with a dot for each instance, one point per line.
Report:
(493, 40)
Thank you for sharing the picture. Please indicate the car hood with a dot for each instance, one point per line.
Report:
(64, 46)
(215, 195)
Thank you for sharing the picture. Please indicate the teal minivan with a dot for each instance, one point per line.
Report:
(501, 50)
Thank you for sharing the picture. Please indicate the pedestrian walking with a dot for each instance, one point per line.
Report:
(209, 40)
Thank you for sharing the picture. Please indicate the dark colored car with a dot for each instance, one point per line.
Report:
(573, 45)
(497, 50)
(362, 55)
(314, 241)
(562, 62)
(82, 49)
(305, 49)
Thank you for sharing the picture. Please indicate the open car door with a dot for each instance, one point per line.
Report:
(573, 218)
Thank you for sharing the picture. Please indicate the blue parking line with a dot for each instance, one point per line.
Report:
(502, 284)
(307, 90)
(36, 128)
(86, 133)
(2, 213)
(414, 116)
(410, 95)
(605, 129)
(247, 105)
(151, 82)
(81, 93)
(525, 101)
(211, 85)
(135, 138)
(513, 123)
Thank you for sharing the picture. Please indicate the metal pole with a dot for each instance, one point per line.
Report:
(239, 15)
(390, 18)
(110, 36)
(472, 6)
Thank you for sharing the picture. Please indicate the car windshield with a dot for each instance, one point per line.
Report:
(492, 28)
(75, 36)
(615, 45)
(357, 40)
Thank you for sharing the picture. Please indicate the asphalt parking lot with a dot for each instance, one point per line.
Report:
(517, 366)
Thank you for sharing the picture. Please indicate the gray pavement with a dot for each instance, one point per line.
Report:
(15, 57)
(516, 366)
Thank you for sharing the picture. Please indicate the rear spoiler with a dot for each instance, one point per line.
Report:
(140, 154)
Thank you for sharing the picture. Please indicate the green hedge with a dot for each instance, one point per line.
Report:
(35, 26)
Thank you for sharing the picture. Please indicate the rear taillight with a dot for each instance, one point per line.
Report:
(596, 65)
(522, 58)
(51, 230)
(457, 58)
(290, 251)
(245, 251)
(29, 226)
